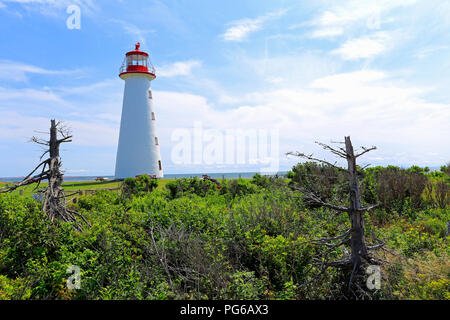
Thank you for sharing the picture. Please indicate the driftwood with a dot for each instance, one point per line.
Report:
(54, 203)
(355, 236)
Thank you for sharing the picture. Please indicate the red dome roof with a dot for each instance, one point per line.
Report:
(137, 51)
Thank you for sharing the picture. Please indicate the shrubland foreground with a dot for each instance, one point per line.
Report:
(241, 239)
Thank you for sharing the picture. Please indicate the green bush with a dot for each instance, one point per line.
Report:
(14, 289)
(396, 189)
(434, 226)
(322, 180)
(238, 187)
(185, 186)
(261, 181)
(244, 285)
(139, 185)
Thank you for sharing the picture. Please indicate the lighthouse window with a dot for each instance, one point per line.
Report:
(156, 141)
(135, 59)
(159, 164)
(153, 116)
(141, 60)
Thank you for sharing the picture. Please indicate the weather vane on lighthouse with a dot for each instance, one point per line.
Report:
(138, 150)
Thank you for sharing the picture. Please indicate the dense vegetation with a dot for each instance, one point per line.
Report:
(242, 239)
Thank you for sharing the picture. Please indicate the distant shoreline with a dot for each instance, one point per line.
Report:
(227, 175)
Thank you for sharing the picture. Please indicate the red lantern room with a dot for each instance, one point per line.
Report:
(137, 62)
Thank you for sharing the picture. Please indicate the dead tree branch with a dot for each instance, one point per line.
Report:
(54, 204)
(365, 151)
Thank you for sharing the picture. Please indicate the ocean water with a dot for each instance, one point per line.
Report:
(227, 175)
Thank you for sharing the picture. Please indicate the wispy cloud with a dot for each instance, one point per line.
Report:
(181, 68)
(137, 33)
(18, 71)
(52, 8)
(28, 95)
(428, 51)
(350, 15)
(364, 47)
(240, 29)
(389, 114)
(18, 127)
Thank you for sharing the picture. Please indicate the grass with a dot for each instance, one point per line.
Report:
(71, 187)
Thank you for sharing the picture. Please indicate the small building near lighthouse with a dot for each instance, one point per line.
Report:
(138, 149)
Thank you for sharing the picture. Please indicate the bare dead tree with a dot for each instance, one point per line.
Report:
(54, 203)
(355, 236)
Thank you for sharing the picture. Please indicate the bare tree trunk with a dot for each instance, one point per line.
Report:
(357, 240)
(54, 193)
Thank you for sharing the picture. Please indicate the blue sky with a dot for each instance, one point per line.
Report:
(313, 70)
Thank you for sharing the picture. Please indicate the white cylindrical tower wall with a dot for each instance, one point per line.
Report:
(138, 150)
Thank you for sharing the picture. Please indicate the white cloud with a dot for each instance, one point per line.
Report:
(364, 47)
(137, 33)
(53, 3)
(368, 105)
(293, 70)
(28, 95)
(343, 16)
(428, 51)
(17, 71)
(93, 111)
(344, 80)
(94, 132)
(18, 127)
(327, 32)
(240, 29)
(52, 8)
(180, 68)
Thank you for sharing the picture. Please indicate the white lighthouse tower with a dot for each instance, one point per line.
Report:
(138, 151)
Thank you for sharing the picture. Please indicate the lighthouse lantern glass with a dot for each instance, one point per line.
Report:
(137, 60)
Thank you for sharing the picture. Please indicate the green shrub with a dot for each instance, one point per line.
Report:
(16, 289)
(238, 187)
(184, 186)
(394, 188)
(139, 185)
(244, 285)
(434, 226)
(261, 181)
(322, 180)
